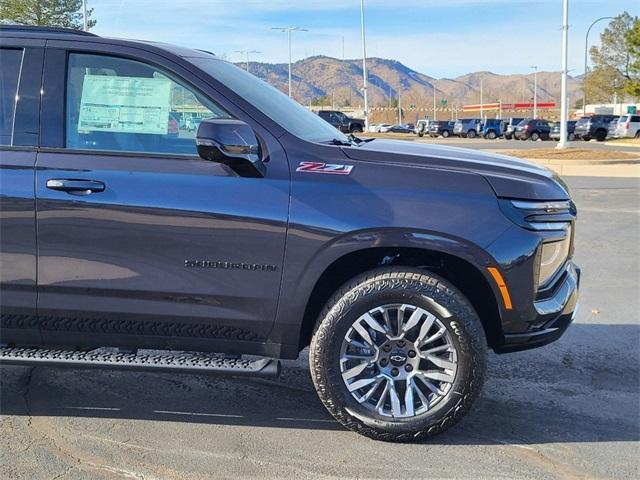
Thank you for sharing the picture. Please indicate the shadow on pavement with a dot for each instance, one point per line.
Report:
(584, 388)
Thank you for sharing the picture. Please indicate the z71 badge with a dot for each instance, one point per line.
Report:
(329, 168)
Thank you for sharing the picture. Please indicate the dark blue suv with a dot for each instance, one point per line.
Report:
(266, 231)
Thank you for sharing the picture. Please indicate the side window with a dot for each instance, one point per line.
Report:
(124, 105)
(11, 61)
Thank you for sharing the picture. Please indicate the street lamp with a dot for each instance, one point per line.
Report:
(535, 90)
(364, 69)
(564, 110)
(288, 30)
(247, 52)
(85, 24)
(586, 47)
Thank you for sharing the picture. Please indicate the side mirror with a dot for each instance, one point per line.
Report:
(231, 142)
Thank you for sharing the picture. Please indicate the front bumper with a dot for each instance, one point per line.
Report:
(555, 314)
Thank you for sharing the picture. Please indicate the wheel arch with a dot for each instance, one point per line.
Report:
(463, 273)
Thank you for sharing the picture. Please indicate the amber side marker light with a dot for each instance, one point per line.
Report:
(504, 291)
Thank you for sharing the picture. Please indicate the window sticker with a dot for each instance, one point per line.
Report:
(125, 104)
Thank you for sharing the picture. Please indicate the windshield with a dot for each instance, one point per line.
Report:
(286, 112)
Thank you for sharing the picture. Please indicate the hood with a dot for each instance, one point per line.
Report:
(508, 176)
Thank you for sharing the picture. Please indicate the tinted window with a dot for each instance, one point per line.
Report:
(123, 105)
(10, 59)
(635, 119)
(286, 112)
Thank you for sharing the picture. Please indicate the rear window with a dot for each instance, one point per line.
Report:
(11, 61)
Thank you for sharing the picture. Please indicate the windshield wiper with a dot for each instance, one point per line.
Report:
(358, 140)
(337, 141)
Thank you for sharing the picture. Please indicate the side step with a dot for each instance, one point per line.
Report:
(159, 361)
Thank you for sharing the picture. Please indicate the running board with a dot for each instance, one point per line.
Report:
(159, 361)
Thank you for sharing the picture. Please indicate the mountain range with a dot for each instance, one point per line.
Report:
(340, 82)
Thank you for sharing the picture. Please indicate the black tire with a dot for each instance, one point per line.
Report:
(572, 137)
(491, 135)
(637, 134)
(471, 134)
(445, 134)
(534, 137)
(586, 139)
(601, 135)
(408, 286)
(421, 134)
(507, 137)
(355, 129)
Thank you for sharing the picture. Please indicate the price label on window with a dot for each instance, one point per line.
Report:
(125, 104)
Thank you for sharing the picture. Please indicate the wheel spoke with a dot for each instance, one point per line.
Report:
(409, 400)
(363, 333)
(426, 326)
(435, 336)
(357, 344)
(370, 392)
(438, 375)
(413, 319)
(353, 356)
(440, 362)
(439, 348)
(423, 398)
(358, 384)
(383, 397)
(396, 409)
(357, 370)
(430, 385)
(373, 323)
(387, 321)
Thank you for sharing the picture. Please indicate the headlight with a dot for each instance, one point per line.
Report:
(553, 255)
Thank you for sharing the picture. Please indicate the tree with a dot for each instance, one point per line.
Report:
(632, 37)
(611, 61)
(55, 13)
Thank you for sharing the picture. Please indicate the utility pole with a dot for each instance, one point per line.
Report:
(288, 30)
(247, 52)
(434, 103)
(343, 48)
(364, 69)
(481, 99)
(564, 100)
(586, 49)
(85, 23)
(399, 105)
(535, 90)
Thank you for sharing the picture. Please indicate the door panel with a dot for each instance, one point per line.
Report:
(17, 248)
(172, 251)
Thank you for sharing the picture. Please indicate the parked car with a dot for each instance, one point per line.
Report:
(342, 122)
(400, 129)
(510, 127)
(594, 126)
(467, 127)
(267, 233)
(532, 129)
(422, 127)
(442, 128)
(492, 128)
(627, 126)
(385, 127)
(555, 131)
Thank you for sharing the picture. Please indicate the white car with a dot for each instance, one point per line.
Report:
(373, 127)
(627, 126)
(384, 127)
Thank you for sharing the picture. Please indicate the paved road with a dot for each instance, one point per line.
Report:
(568, 410)
(501, 144)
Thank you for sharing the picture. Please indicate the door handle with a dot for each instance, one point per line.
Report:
(75, 187)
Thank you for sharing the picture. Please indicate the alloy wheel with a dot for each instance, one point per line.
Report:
(398, 360)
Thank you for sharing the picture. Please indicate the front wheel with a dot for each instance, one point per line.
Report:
(399, 354)
(355, 129)
(445, 134)
(471, 134)
(535, 136)
(492, 135)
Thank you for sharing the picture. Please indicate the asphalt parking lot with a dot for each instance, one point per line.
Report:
(568, 410)
(502, 144)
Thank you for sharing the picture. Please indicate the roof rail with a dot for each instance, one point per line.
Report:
(16, 27)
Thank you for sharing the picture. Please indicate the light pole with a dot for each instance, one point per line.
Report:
(563, 90)
(84, 16)
(247, 52)
(364, 69)
(399, 105)
(434, 103)
(535, 90)
(481, 99)
(586, 47)
(288, 30)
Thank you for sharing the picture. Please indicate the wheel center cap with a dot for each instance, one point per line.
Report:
(398, 357)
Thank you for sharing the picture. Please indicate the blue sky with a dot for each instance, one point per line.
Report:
(441, 38)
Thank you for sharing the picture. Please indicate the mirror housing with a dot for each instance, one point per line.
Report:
(233, 143)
